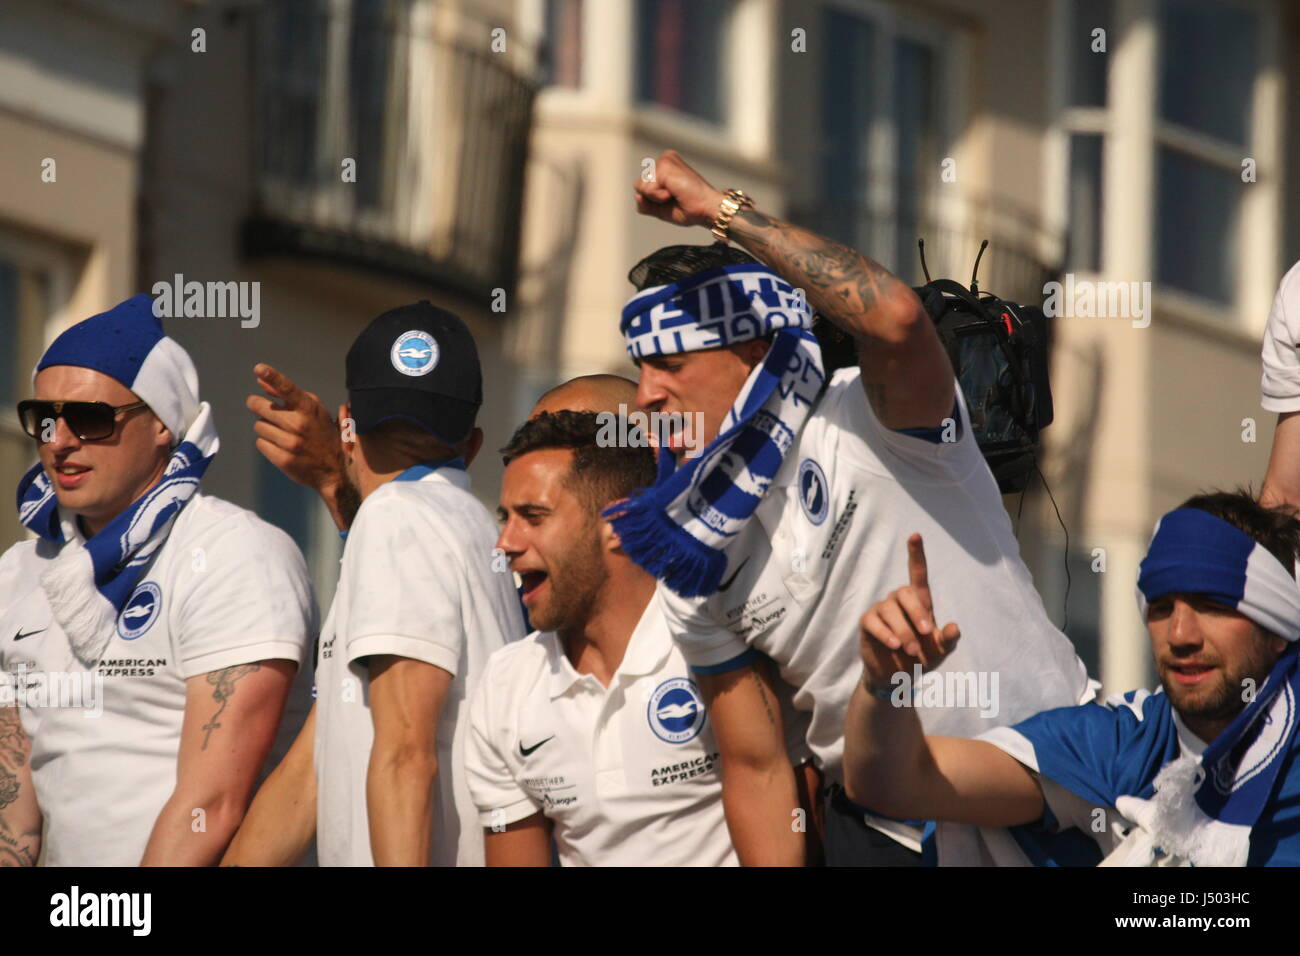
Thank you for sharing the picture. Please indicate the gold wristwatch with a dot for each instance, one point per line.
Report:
(733, 201)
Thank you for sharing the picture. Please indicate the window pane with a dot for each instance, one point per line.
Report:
(561, 53)
(917, 158)
(369, 56)
(846, 121)
(1196, 219)
(293, 79)
(1088, 67)
(1083, 231)
(680, 55)
(1208, 66)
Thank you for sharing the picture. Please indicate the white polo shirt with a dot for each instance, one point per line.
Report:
(417, 581)
(226, 588)
(1280, 385)
(628, 774)
(830, 539)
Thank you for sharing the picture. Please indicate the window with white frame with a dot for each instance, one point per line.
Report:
(1210, 62)
(1089, 28)
(885, 98)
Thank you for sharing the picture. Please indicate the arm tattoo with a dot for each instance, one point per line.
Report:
(20, 849)
(223, 683)
(13, 741)
(13, 754)
(841, 284)
(15, 852)
(762, 692)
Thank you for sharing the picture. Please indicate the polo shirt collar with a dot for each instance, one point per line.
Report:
(646, 650)
(451, 471)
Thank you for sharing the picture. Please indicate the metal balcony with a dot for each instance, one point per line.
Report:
(383, 145)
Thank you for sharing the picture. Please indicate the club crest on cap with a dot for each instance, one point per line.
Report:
(414, 353)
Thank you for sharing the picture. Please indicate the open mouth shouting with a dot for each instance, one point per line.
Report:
(532, 583)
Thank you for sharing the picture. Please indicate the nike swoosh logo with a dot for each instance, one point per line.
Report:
(525, 751)
(20, 635)
(727, 583)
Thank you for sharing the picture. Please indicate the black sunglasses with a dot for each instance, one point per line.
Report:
(89, 421)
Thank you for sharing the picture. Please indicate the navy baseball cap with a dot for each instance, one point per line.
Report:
(419, 363)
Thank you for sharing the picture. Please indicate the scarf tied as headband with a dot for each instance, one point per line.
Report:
(1203, 809)
(679, 529)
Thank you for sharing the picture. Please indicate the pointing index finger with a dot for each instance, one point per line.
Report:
(280, 385)
(917, 573)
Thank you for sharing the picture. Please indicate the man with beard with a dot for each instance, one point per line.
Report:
(1202, 772)
(590, 731)
(375, 771)
(770, 539)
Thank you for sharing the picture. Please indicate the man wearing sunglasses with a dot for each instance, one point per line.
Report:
(149, 633)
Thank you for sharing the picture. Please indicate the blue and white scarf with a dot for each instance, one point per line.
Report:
(679, 529)
(1187, 809)
(87, 581)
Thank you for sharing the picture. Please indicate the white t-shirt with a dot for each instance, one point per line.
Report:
(628, 774)
(418, 582)
(226, 588)
(830, 539)
(1280, 385)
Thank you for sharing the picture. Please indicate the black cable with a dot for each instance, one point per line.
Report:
(1065, 611)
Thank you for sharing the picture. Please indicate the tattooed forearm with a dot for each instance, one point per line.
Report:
(20, 826)
(841, 284)
(762, 693)
(10, 788)
(14, 745)
(17, 851)
(223, 688)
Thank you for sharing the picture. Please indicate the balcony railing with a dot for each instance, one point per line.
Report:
(381, 144)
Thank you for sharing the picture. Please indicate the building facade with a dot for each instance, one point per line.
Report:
(1086, 139)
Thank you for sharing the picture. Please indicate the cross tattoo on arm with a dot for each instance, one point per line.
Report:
(223, 683)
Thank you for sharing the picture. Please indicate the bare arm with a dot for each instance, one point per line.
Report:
(905, 369)
(758, 784)
(406, 700)
(281, 824)
(1282, 480)
(20, 815)
(231, 716)
(890, 765)
(525, 842)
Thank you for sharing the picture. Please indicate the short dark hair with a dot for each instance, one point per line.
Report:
(406, 437)
(674, 263)
(603, 473)
(1277, 528)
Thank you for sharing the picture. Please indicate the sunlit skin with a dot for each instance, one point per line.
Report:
(368, 465)
(98, 480)
(707, 382)
(1204, 653)
(588, 393)
(547, 533)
